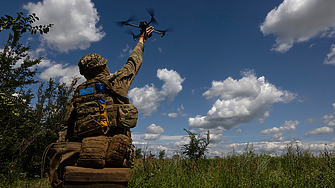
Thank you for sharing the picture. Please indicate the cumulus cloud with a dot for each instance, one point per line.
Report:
(298, 21)
(154, 129)
(148, 97)
(74, 23)
(215, 134)
(289, 126)
(321, 130)
(172, 83)
(65, 73)
(153, 132)
(241, 101)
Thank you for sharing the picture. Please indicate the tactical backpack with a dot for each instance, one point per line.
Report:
(99, 121)
(96, 111)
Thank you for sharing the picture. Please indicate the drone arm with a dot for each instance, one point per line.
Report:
(131, 24)
(160, 32)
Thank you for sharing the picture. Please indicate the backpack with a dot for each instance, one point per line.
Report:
(97, 112)
(101, 122)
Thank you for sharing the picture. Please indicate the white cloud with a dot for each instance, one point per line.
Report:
(153, 132)
(172, 85)
(288, 126)
(241, 101)
(298, 21)
(262, 120)
(329, 120)
(334, 105)
(126, 51)
(330, 59)
(215, 134)
(238, 131)
(319, 131)
(147, 98)
(149, 136)
(74, 23)
(64, 72)
(311, 120)
(180, 110)
(173, 115)
(154, 129)
(223, 148)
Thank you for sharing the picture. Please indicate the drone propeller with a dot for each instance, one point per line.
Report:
(170, 29)
(151, 11)
(130, 32)
(122, 23)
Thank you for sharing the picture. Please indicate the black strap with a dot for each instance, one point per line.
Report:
(109, 85)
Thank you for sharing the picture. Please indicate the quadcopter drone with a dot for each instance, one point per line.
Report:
(143, 24)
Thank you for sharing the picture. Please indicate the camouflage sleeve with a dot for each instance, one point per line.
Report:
(128, 72)
(67, 122)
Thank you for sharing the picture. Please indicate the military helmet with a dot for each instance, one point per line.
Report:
(90, 61)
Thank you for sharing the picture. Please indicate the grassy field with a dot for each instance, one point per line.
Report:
(294, 168)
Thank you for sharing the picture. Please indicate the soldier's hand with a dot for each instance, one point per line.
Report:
(146, 34)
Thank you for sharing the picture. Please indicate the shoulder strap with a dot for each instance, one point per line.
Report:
(115, 90)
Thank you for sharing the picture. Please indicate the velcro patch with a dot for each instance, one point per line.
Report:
(86, 91)
(100, 87)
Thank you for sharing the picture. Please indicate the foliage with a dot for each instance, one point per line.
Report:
(161, 154)
(14, 52)
(25, 137)
(25, 129)
(138, 153)
(294, 168)
(197, 147)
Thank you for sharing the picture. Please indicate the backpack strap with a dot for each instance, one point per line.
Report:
(119, 91)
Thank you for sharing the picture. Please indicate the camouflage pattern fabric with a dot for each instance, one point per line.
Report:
(122, 81)
(90, 61)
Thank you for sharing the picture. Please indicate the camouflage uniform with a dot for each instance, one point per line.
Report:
(121, 82)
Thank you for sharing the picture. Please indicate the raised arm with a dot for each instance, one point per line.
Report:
(128, 72)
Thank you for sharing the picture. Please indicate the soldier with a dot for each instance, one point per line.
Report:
(99, 115)
(94, 66)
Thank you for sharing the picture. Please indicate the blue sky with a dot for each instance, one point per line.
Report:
(259, 72)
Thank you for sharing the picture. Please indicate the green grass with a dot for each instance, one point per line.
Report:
(294, 168)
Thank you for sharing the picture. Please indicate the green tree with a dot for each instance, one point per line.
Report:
(161, 154)
(197, 147)
(151, 155)
(138, 153)
(18, 128)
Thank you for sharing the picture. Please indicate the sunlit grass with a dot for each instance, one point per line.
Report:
(294, 168)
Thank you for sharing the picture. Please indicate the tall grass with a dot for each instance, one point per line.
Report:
(294, 168)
